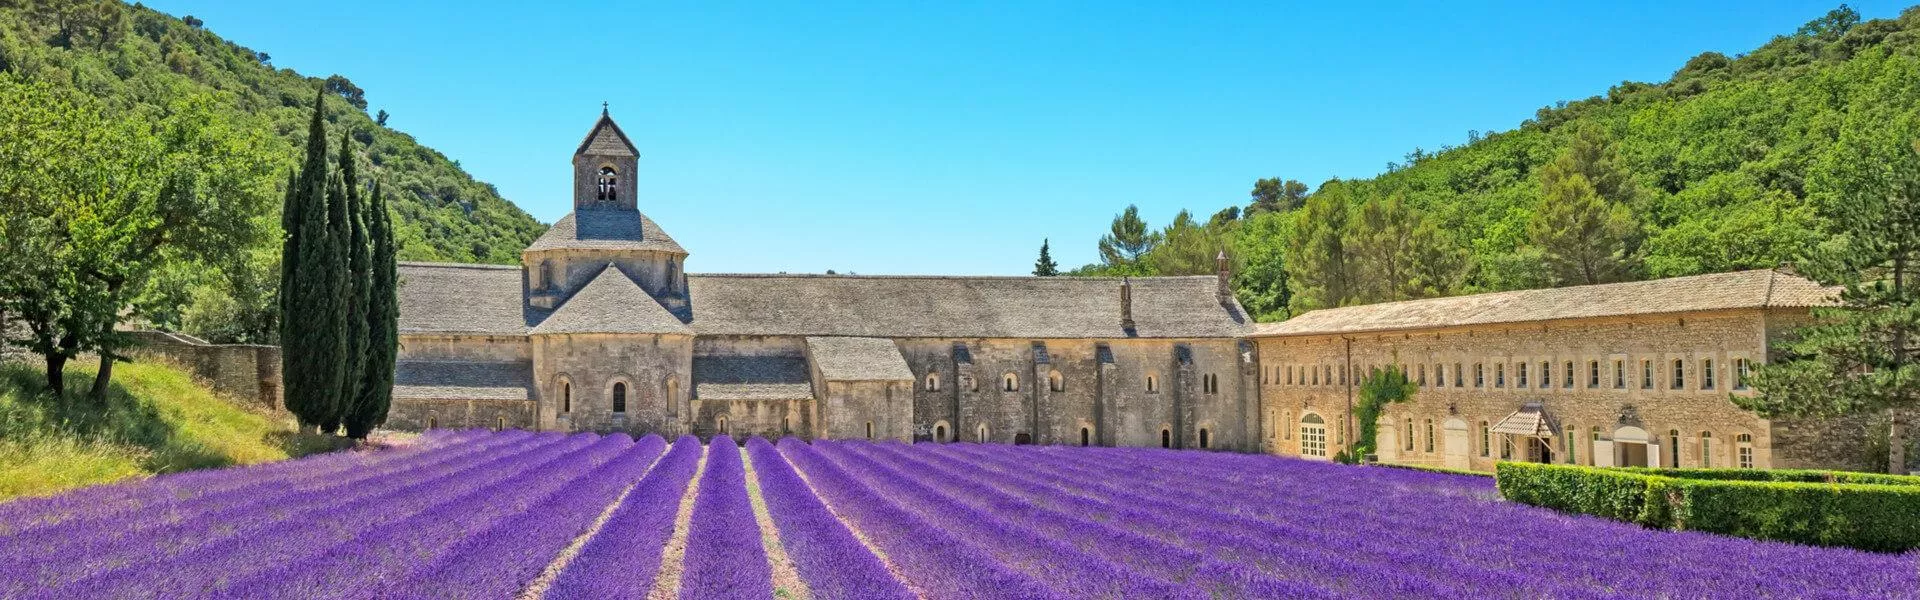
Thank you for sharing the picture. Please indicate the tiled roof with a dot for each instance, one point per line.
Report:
(462, 380)
(963, 307)
(463, 298)
(858, 359)
(1531, 420)
(1719, 291)
(606, 139)
(751, 378)
(611, 303)
(607, 229)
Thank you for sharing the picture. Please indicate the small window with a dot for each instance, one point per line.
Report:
(1010, 383)
(1458, 381)
(1479, 375)
(786, 426)
(1500, 375)
(869, 429)
(1429, 435)
(1679, 375)
(720, 424)
(933, 382)
(1289, 374)
(1566, 447)
(1646, 374)
(1566, 375)
(1593, 374)
(1673, 448)
(1205, 440)
(1056, 382)
(1573, 444)
(609, 185)
(1486, 440)
(499, 423)
(1086, 436)
(1153, 384)
(1743, 451)
(566, 396)
(1422, 381)
(1741, 368)
(432, 423)
(1166, 438)
(673, 396)
(1210, 384)
(980, 433)
(1408, 443)
(1520, 375)
(1706, 374)
(1316, 377)
(619, 397)
(1706, 449)
(1439, 376)
(1329, 370)
(940, 433)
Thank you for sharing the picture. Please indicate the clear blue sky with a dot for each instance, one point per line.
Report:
(951, 137)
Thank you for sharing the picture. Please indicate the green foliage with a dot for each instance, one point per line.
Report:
(1870, 516)
(314, 345)
(1788, 475)
(1273, 195)
(157, 420)
(1381, 388)
(1044, 266)
(1433, 469)
(132, 60)
(1865, 355)
(375, 393)
(1583, 224)
(1188, 247)
(1129, 239)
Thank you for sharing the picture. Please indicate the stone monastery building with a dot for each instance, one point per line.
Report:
(601, 327)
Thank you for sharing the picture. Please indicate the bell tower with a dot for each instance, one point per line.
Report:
(604, 168)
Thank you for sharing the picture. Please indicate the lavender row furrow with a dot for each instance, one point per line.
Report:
(724, 556)
(371, 564)
(92, 535)
(932, 559)
(832, 562)
(254, 547)
(501, 561)
(100, 553)
(994, 492)
(623, 559)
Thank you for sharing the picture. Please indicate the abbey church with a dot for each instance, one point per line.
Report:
(601, 328)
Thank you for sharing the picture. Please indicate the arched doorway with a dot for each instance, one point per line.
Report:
(1633, 447)
(1166, 438)
(1086, 436)
(1022, 439)
(1206, 438)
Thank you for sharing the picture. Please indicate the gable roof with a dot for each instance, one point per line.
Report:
(463, 299)
(606, 139)
(858, 359)
(606, 229)
(958, 307)
(1762, 288)
(611, 303)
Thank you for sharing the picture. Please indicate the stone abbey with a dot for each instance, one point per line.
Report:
(602, 328)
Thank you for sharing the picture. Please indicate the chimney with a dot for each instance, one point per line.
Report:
(1126, 303)
(1224, 271)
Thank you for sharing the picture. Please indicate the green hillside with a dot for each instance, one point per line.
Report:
(157, 420)
(1716, 169)
(133, 58)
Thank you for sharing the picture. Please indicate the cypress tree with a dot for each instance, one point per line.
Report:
(383, 312)
(310, 356)
(289, 248)
(330, 340)
(355, 285)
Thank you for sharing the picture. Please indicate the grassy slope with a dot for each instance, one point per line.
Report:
(158, 420)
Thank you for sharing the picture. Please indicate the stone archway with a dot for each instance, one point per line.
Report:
(1634, 447)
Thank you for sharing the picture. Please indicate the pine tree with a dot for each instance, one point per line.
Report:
(1584, 221)
(356, 284)
(383, 311)
(1045, 267)
(1318, 266)
(1864, 356)
(1129, 240)
(310, 347)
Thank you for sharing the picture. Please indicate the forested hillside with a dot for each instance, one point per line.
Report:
(136, 60)
(1721, 167)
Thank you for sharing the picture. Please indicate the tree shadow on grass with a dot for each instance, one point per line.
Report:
(125, 421)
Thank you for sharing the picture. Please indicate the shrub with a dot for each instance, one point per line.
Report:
(1809, 507)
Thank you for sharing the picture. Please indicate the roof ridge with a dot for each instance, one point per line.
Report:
(455, 265)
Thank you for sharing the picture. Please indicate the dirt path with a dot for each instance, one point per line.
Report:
(666, 586)
(786, 579)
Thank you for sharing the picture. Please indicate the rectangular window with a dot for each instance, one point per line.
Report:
(1316, 377)
(1343, 373)
(1619, 374)
(1740, 369)
(1520, 375)
(1546, 374)
(1479, 375)
(1423, 376)
(1593, 374)
(1679, 375)
(1566, 375)
(1646, 374)
(1439, 376)
(1573, 445)
(1500, 375)
(1409, 441)
(1706, 374)
(1458, 381)
(1486, 439)
(1429, 424)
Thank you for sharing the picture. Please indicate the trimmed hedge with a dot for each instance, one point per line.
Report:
(1787, 475)
(1878, 517)
(1430, 469)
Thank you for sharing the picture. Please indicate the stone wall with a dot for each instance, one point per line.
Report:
(245, 371)
(654, 369)
(1316, 375)
(419, 414)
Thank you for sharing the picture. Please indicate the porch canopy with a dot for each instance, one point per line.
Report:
(1531, 421)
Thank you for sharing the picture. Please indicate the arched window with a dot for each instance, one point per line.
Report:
(1086, 436)
(1010, 382)
(869, 429)
(980, 433)
(786, 425)
(1166, 438)
(1743, 451)
(1056, 382)
(619, 397)
(940, 433)
(609, 185)
(566, 396)
(720, 424)
(1679, 375)
(1429, 445)
(673, 396)
(1706, 449)
(499, 423)
(1313, 436)
(432, 422)
(1205, 440)
(933, 382)
(1153, 383)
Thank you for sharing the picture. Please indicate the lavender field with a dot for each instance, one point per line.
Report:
(516, 514)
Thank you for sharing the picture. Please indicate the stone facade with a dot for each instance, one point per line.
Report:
(246, 371)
